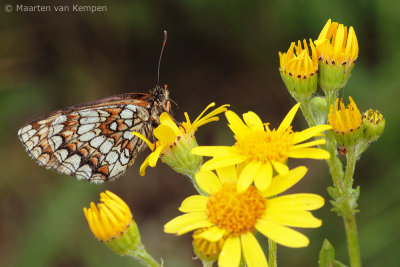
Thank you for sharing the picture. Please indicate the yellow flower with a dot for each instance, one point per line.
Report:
(235, 216)
(337, 52)
(109, 219)
(262, 149)
(299, 71)
(346, 123)
(112, 223)
(174, 139)
(345, 120)
(297, 62)
(335, 46)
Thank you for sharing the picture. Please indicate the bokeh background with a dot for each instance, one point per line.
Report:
(222, 51)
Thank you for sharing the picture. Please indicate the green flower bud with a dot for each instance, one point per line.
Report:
(299, 71)
(318, 107)
(374, 124)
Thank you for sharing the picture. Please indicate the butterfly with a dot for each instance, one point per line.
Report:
(94, 141)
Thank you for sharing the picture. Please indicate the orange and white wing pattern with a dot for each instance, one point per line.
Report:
(94, 141)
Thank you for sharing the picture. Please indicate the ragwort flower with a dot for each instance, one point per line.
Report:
(346, 123)
(261, 149)
(175, 142)
(299, 70)
(337, 51)
(235, 216)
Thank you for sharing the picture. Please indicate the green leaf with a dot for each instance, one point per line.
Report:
(326, 255)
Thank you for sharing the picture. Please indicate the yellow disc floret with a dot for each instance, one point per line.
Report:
(266, 146)
(235, 212)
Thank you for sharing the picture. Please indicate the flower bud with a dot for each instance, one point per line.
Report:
(374, 124)
(346, 123)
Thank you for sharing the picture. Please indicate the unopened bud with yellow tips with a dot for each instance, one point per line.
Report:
(346, 123)
(207, 251)
(337, 51)
(111, 222)
(299, 70)
(374, 124)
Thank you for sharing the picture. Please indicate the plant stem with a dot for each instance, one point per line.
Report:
(307, 113)
(272, 251)
(144, 258)
(352, 240)
(350, 166)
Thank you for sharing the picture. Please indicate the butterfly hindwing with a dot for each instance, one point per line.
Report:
(93, 141)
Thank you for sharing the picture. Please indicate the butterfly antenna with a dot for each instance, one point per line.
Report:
(161, 54)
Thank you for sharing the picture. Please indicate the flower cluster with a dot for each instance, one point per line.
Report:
(240, 188)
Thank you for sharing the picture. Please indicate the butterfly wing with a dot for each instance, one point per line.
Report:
(92, 141)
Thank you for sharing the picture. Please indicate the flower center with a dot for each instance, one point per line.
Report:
(266, 146)
(235, 212)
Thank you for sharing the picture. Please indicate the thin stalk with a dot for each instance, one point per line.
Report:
(352, 240)
(307, 113)
(207, 263)
(350, 166)
(144, 258)
(272, 251)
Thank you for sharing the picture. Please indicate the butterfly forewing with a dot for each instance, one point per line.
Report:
(93, 141)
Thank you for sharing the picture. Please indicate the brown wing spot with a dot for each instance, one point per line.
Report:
(104, 127)
(71, 123)
(71, 146)
(124, 144)
(72, 117)
(121, 125)
(84, 152)
(94, 159)
(103, 170)
(113, 111)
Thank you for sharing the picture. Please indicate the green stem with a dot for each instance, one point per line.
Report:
(350, 166)
(307, 113)
(272, 251)
(207, 263)
(352, 240)
(141, 255)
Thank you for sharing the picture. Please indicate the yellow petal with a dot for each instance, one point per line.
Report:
(309, 153)
(183, 221)
(194, 204)
(211, 151)
(299, 137)
(253, 121)
(165, 133)
(230, 254)
(221, 162)
(288, 119)
(296, 202)
(247, 175)
(153, 157)
(281, 168)
(252, 251)
(205, 223)
(227, 174)
(281, 183)
(150, 144)
(213, 234)
(144, 165)
(294, 218)
(208, 181)
(264, 177)
(236, 124)
(165, 119)
(282, 234)
(309, 144)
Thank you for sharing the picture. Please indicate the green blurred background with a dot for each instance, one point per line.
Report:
(222, 51)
